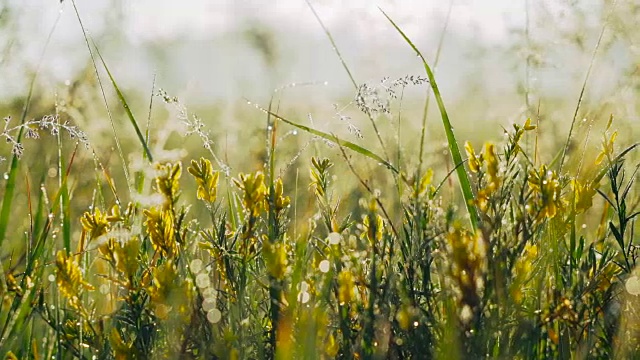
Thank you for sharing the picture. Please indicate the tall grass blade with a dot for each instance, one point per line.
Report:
(463, 178)
(347, 144)
(126, 107)
(104, 97)
(427, 101)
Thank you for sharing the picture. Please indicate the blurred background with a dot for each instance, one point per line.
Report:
(500, 62)
(497, 57)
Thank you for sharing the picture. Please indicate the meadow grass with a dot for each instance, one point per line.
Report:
(534, 257)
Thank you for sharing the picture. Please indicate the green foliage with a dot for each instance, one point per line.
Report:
(253, 265)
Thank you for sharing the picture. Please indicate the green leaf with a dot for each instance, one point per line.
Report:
(463, 178)
(126, 107)
(344, 143)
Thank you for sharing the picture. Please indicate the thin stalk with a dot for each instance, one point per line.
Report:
(346, 68)
(10, 186)
(584, 86)
(463, 178)
(104, 98)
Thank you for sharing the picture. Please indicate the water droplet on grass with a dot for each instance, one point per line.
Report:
(208, 304)
(196, 266)
(304, 297)
(214, 316)
(334, 238)
(202, 280)
(324, 266)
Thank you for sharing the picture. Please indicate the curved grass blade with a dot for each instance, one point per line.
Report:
(126, 107)
(344, 143)
(463, 178)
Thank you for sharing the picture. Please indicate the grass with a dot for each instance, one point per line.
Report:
(196, 260)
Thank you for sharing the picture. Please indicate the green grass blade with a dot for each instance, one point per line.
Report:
(425, 111)
(347, 144)
(463, 178)
(104, 98)
(65, 207)
(126, 107)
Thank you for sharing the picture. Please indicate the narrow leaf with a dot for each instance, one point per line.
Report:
(126, 107)
(344, 143)
(463, 178)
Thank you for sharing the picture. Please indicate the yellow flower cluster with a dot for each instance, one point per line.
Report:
(69, 279)
(160, 227)
(489, 159)
(280, 202)
(547, 198)
(206, 178)
(468, 266)
(522, 272)
(254, 191)
(346, 287)
(275, 258)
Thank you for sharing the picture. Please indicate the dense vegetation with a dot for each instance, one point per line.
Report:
(512, 250)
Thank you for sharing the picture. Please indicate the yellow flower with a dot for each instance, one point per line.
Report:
(206, 178)
(547, 192)
(374, 227)
(126, 256)
(607, 148)
(332, 347)
(280, 201)
(160, 227)
(254, 191)
(96, 224)
(474, 162)
(528, 126)
(69, 279)
(583, 195)
(492, 166)
(522, 271)
(346, 285)
(275, 258)
(167, 183)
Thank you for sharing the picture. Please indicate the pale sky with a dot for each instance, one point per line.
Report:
(200, 47)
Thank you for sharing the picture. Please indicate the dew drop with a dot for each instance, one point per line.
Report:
(304, 297)
(209, 293)
(196, 266)
(334, 238)
(324, 266)
(214, 316)
(208, 304)
(633, 285)
(202, 280)
(104, 289)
